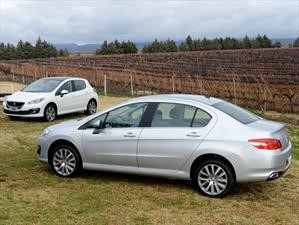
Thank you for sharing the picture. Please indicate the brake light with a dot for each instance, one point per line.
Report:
(266, 143)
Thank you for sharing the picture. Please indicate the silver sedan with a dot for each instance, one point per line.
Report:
(214, 143)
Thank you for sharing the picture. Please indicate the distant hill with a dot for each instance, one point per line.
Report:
(73, 47)
(284, 41)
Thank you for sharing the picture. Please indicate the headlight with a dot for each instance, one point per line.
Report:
(46, 131)
(5, 98)
(36, 101)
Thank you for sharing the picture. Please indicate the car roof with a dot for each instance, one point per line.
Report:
(62, 78)
(196, 98)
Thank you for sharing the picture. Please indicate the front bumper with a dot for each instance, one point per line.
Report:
(22, 112)
(35, 110)
(42, 149)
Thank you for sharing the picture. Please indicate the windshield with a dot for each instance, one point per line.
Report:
(43, 85)
(236, 112)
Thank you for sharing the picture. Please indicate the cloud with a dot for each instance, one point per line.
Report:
(91, 21)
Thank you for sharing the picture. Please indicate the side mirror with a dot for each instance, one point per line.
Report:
(99, 127)
(63, 92)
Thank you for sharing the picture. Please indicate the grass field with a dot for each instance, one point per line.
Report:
(31, 194)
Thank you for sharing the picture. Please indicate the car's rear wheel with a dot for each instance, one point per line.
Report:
(91, 107)
(214, 178)
(50, 113)
(65, 161)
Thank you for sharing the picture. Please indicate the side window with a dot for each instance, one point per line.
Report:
(79, 85)
(126, 116)
(66, 86)
(173, 115)
(96, 121)
(201, 118)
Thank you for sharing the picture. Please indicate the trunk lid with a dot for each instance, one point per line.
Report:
(275, 130)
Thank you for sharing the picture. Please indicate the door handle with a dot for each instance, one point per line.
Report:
(193, 134)
(130, 134)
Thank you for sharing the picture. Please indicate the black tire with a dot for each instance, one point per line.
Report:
(221, 182)
(91, 107)
(69, 163)
(50, 113)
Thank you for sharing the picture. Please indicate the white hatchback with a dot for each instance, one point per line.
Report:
(52, 96)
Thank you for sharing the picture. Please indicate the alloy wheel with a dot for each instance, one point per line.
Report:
(212, 179)
(50, 113)
(92, 107)
(64, 162)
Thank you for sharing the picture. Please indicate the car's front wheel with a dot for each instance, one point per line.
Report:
(91, 107)
(50, 113)
(214, 178)
(65, 161)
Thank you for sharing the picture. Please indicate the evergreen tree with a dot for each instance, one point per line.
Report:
(184, 47)
(63, 52)
(296, 42)
(28, 50)
(20, 50)
(103, 50)
(267, 43)
(128, 47)
(25, 50)
(247, 42)
(155, 46)
(39, 49)
(11, 52)
(170, 46)
(190, 43)
(277, 45)
(116, 47)
(2, 50)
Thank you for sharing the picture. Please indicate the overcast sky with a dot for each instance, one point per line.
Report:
(93, 21)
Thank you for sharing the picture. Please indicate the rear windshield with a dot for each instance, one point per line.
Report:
(236, 112)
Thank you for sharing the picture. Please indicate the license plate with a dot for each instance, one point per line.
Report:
(13, 108)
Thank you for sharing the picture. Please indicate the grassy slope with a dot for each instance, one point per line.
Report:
(31, 194)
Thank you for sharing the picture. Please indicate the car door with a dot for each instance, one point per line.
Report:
(175, 133)
(80, 94)
(65, 103)
(116, 144)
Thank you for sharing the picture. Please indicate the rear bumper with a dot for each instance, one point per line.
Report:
(262, 165)
(278, 174)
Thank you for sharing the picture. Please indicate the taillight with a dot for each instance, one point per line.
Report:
(266, 143)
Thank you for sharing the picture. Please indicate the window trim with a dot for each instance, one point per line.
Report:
(74, 87)
(85, 125)
(57, 94)
(233, 117)
(191, 123)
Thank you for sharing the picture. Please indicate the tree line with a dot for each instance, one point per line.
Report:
(44, 49)
(205, 44)
(25, 50)
(115, 47)
(189, 44)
